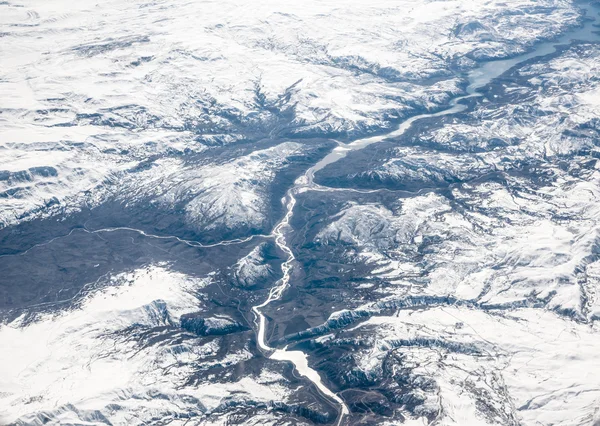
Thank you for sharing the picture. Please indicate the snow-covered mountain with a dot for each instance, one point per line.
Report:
(321, 212)
(484, 271)
(91, 90)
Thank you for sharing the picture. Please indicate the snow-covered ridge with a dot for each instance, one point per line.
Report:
(232, 194)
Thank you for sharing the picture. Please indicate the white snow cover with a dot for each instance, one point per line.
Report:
(81, 364)
(128, 81)
(89, 90)
(509, 242)
(507, 269)
(479, 256)
(532, 366)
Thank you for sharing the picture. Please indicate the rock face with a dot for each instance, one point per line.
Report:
(442, 266)
(213, 326)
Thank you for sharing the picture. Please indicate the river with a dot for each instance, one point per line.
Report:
(477, 78)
